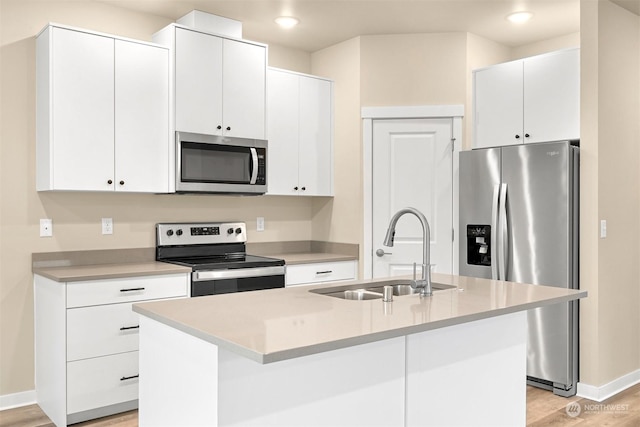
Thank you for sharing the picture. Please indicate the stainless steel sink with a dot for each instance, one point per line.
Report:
(374, 290)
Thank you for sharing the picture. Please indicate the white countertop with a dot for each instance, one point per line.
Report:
(279, 324)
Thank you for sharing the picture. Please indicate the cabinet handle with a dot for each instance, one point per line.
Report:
(131, 289)
(526, 135)
(324, 272)
(126, 328)
(110, 182)
(129, 378)
(121, 182)
(304, 188)
(219, 127)
(228, 127)
(517, 136)
(295, 188)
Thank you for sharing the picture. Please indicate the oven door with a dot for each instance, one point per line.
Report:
(214, 282)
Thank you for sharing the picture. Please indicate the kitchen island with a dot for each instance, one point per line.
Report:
(295, 357)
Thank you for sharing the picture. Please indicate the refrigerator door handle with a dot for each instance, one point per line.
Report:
(503, 233)
(494, 232)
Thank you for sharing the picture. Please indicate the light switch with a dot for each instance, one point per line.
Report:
(260, 223)
(603, 228)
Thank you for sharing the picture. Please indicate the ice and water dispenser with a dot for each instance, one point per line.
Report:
(479, 244)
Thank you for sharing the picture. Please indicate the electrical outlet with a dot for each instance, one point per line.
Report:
(260, 223)
(107, 226)
(603, 228)
(46, 228)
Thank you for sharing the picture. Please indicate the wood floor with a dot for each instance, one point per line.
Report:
(543, 409)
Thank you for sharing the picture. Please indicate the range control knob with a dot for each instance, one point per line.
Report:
(230, 231)
(238, 230)
(169, 233)
(179, 232)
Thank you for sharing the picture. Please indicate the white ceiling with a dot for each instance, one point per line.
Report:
(327, 22)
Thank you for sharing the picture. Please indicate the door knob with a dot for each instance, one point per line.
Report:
(381, 253)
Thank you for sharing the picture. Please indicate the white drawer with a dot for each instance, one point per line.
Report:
(101, 381)
(299, 274)
(130, 289)
(101, 330)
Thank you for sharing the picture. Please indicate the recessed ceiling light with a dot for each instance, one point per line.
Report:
(520, 17)
(287, 21)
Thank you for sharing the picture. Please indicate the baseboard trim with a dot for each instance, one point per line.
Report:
(600, 393)
(17, 400)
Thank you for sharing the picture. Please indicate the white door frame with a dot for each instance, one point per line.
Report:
(369, 114)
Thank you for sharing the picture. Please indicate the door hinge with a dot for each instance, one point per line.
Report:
(453, 234)
(453, 144)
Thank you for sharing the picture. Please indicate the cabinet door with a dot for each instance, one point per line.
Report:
(101, 330)
(141, 118)
(498, 100)
(198, 90)
(315, 146)
(552, 96)
(282, 129)
(82, 111)
(102, 381)
(244, 89)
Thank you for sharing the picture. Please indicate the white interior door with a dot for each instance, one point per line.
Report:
(412, 166)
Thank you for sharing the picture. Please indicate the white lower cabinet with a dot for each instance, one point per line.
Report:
(307, 274)
(86, 342)
(102, 381)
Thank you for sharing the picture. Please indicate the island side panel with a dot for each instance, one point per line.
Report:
(469, 374)
(356, 386)
(178, 377)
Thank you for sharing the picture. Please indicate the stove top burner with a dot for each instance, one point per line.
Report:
(222, 263)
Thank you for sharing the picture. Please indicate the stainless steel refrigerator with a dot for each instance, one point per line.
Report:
(519, 211)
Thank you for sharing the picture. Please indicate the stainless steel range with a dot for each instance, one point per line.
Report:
(216, 252)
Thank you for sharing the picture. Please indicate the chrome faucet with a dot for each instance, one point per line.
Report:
(423, 284)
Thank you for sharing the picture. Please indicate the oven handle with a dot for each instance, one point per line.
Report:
(240, 273)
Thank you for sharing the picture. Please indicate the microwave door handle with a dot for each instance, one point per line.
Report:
(254, 169)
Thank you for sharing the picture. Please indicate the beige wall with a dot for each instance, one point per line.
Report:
(411, 69)
(610, 145)
(76, 216)
(340, 218)
(544, 46)
(289, 59)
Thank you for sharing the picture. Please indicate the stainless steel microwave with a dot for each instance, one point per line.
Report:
(220, 164)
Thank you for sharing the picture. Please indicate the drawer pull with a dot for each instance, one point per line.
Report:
(126, 328)
(129, 378)
(131, 289)
(324, 272)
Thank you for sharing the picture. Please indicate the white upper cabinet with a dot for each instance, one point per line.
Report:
(315, 150)
(531, 100)
(283, 123)
(220, 83)
(142, 118)
(552, 95)
(102, 113)
(300, 134)
(198, 91)
(498, 101)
